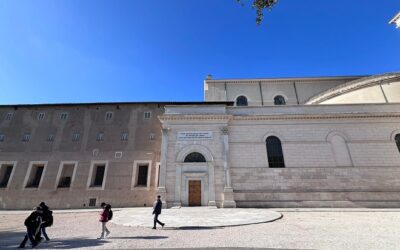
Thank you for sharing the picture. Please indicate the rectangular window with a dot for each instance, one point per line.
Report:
(147, 115)
(109, 116)
(76, 136)
(100, 136)
(50, 137)
(5, 174)
(66, 173)
(64, 116)
(26, 137)
(142, 175)
(2, 137)
(40, 116)
(35, 176)
(9, 116)
(98, 175)
(92, 202)
(152, 136)
(124, 136)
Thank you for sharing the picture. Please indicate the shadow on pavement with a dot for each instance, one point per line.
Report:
(196, 228)
(13, 239)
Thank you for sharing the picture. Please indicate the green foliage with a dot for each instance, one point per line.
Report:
(260, 6)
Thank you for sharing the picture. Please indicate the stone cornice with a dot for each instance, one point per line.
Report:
(283, 80)
(396, 20)
(353, 85)
(277, 117)
(316, 117)
(194, 117)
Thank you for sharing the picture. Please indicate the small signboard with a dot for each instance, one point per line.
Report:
(195, 135)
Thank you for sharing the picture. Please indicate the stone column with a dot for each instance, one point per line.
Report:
(178, 180)
(228, 201)
(211, 185)
(163, 167)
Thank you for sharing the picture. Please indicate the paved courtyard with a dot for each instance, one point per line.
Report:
(195, 217)
(297, 229)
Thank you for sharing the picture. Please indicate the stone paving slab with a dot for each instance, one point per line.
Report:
(195, 217)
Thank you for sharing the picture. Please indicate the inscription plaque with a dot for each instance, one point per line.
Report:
(195, 135)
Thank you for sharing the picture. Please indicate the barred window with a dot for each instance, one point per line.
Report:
(26, 137)
(241, 101)
(109, 116)
(124, 136)
(40, 116)
(9, 116)
(63, 116)
(147, 115)
(76, 136)
(50, 137)
(274, 152)
(100, 136)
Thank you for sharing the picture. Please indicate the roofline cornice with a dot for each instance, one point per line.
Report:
(353, 85)
(278, 117)
(285, 79)
(394, 19)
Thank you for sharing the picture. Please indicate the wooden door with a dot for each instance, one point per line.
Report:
(194, 193)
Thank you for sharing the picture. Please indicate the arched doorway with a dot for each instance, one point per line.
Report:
(195, 184)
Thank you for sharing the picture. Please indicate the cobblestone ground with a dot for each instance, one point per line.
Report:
(307, 229)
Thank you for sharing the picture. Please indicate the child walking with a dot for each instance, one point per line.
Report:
(103, 220)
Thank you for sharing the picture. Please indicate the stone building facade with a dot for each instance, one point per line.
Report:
(287, 142)
(294, 142)
(76, 156)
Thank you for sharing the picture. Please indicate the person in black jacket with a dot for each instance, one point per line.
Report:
(32, 223)
(47, 219)
(157, 211)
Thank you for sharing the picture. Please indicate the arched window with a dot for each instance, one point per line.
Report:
(279, 100)
(274, 151)
(195, 157)
(241, 101)
(397, 139)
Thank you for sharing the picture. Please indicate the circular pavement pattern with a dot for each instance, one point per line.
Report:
(194, 217)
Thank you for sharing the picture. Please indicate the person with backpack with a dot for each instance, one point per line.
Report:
(157, 211)
(33, 223)
(104, 215)
(47, 219)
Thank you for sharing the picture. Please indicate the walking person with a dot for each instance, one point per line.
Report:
(33, 223)
(104, 219)
(157, 211)
(47, 218)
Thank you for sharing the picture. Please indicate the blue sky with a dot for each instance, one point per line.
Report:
(70, 51)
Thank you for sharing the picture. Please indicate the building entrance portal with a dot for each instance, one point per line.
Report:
(194, 193)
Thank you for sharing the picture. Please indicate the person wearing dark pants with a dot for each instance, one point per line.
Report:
(157, 211)
(32, 223)
(47, 219)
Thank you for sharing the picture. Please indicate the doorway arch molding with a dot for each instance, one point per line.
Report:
(194, 148)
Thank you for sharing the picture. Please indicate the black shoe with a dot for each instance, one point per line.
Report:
(20, 246)
(153, 228)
